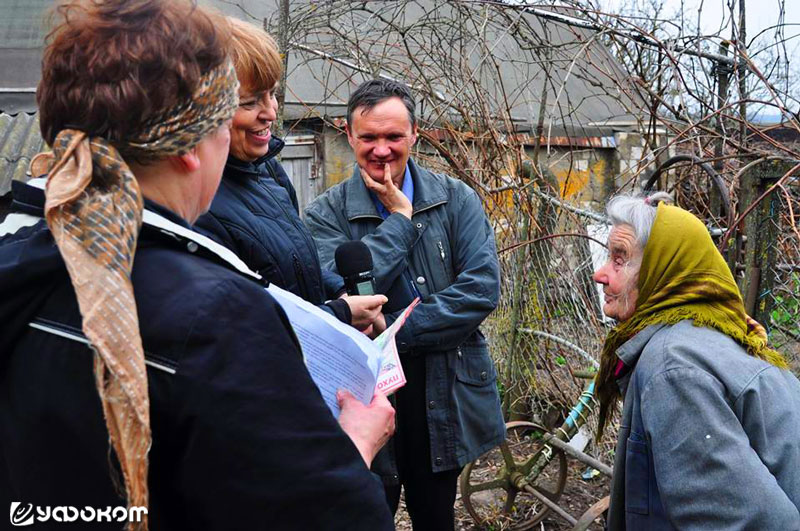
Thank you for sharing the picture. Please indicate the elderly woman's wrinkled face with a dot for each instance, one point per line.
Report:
(250, 132)
(620, 274)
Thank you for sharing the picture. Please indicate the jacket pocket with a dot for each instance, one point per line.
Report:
(637, 477)
(474, 366)
(476, 400)
(65, 331)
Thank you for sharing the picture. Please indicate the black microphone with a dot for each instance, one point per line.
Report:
(354, 262)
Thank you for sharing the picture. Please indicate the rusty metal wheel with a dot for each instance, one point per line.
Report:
(493, 487)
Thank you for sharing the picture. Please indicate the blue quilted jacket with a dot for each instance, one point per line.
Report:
(255, 214)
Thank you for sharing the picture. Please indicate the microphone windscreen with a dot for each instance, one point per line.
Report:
(353, 257)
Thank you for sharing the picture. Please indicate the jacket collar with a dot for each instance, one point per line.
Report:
(429, 191)
(165, 213)
(630, 351)
(156, 219)
(238, 168)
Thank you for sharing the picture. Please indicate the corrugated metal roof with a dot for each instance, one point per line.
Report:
(19, 142)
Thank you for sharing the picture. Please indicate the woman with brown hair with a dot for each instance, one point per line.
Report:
(147, 382)
(255, 212)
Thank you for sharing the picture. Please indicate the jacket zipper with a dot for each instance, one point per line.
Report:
(301, 228)
(301, 278)
(427, 270)
(447, 268)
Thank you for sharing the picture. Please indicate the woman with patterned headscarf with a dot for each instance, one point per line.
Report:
(137, 385)
(710, 429)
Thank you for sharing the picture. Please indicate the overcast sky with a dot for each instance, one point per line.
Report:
(715, 19)
(715, 15)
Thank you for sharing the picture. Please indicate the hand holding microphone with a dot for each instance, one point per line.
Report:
(354, 262)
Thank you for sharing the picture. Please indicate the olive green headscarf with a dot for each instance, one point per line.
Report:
(683, 276)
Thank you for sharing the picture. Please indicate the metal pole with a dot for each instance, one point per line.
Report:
(577, 454)
(551, 504)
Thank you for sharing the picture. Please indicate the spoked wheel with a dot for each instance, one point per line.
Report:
(494, 488)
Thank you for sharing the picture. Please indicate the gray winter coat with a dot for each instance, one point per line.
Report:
(710, 436)
(448, 247)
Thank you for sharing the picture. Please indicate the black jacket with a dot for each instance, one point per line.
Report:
(255, 214)
(241, 436)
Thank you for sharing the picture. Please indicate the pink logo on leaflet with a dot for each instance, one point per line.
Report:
(21, 514)
(389, 383)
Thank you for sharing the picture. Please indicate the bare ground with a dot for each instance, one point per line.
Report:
(578, 496)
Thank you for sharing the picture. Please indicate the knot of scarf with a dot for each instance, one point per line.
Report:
(682, 276)
(93, 209)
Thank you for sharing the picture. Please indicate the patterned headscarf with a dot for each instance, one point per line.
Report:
(682, 276)
(94, 208)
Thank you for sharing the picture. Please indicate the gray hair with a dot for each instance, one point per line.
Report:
(636, 211)
(372, 92)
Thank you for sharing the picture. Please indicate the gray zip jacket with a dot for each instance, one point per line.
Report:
(709, 439)
(449, 250)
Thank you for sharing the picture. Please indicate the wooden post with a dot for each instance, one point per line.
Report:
(512, 409)
(723, 72)
(761, 228)
(283, 38)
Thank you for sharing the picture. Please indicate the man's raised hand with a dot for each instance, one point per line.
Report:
(388, 193)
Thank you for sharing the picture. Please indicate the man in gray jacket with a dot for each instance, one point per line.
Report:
(429, 238)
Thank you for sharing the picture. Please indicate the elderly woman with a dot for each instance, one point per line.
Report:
(133, 370)
(255, 212)
(710, 430)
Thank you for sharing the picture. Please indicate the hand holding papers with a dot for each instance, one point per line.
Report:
(340, 357)
(369, 427)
